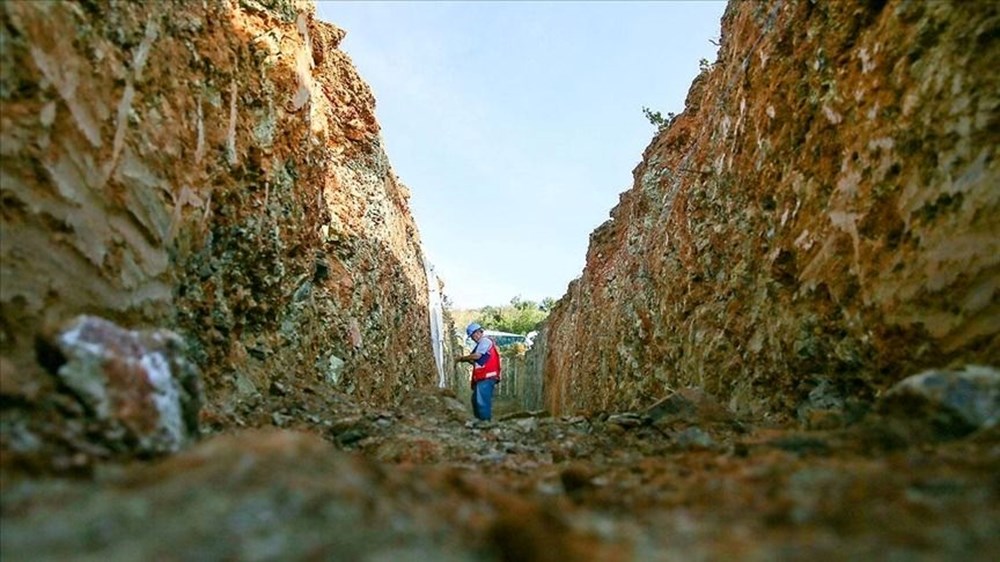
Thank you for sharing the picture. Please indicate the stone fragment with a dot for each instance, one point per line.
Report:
(333, 369)
(820, 409)
(526, 425)
(351, 436)
(695, 438)
(626, 420)
(688, 405)
(245, 388)
(801, 444)
(277, 389)
(136, 385)
(954, 403)
(520, 414)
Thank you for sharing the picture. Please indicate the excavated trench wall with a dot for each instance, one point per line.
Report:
(214, 168)
(820, 220)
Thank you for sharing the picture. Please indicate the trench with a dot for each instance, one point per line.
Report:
(293, 456)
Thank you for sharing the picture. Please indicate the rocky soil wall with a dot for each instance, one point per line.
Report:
(213, 168)
(818, 223)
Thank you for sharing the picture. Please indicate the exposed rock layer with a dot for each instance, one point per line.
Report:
(210, 167)
(822, 213)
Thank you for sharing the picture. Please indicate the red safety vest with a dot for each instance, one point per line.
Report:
(491, 368)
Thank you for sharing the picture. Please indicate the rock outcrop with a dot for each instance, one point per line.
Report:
(818, 224)
(214, 169)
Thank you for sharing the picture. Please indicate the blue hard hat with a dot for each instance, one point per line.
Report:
(471, 329)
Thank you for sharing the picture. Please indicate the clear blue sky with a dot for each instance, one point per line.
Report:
(516, 125)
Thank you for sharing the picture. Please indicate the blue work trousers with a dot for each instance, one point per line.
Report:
(482, 399)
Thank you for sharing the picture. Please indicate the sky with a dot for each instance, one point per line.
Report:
(516, 125)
